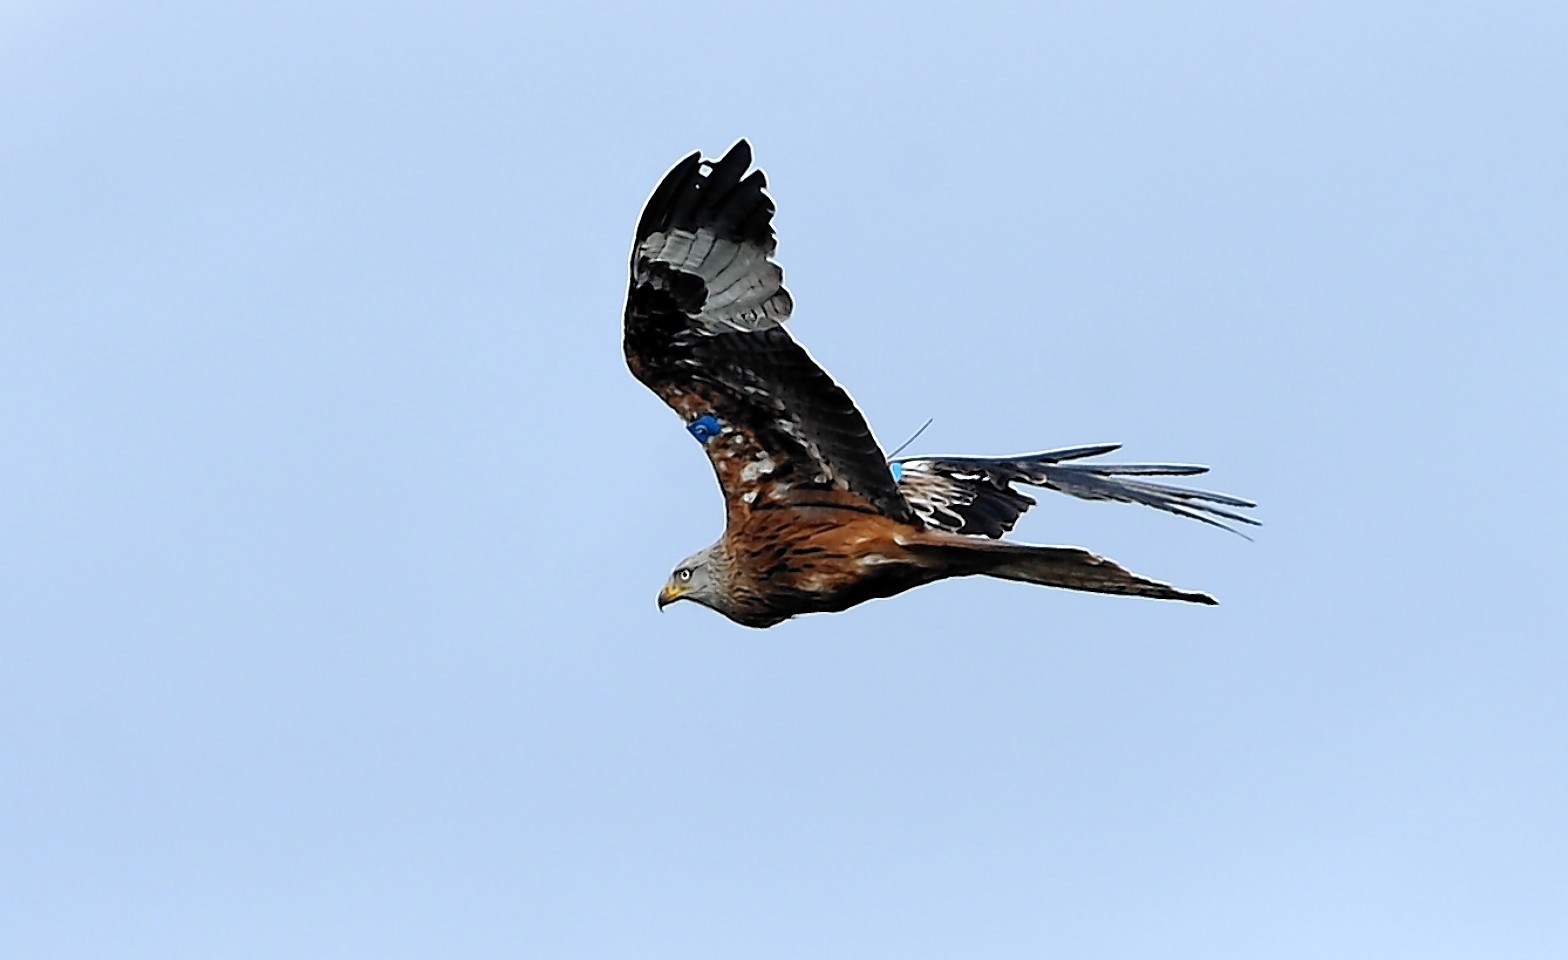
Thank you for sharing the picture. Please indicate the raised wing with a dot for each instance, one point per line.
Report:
(704, 331)
(975, 494)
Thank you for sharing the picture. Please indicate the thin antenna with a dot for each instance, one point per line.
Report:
(912, 439)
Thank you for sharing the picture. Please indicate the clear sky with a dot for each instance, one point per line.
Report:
(331, 521)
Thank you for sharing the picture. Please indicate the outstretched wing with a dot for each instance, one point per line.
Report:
(704, 331)
(975, 494)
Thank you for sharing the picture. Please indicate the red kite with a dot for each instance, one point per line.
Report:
(817, 519)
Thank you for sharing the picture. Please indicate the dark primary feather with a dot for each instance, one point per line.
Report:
(975, 494)
(704, 317)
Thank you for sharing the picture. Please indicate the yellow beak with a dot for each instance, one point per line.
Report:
(669, 595)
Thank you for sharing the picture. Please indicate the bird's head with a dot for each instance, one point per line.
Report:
(694, 578)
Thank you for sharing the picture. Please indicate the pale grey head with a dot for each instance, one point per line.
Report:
(698, 578)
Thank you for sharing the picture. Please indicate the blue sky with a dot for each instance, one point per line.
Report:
(333, 521)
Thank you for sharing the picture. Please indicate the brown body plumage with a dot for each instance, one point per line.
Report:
(824, 560)
(816, 518)
(817, 560)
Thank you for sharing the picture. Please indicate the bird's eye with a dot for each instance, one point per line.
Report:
(683, 575)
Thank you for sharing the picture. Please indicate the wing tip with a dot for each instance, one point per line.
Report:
(716, 192)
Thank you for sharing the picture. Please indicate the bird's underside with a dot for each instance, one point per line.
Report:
(817, 518)
(818, 560)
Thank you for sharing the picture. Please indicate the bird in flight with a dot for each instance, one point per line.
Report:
(817, 518)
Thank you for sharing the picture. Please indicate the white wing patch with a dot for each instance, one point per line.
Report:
(932, 494)
(745, 288)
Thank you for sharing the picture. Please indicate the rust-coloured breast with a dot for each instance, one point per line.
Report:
(821, 556)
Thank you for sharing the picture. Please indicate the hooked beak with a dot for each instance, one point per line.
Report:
(669, 595)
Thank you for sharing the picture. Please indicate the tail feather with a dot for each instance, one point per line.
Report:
(1078, 569)
(1072, 568)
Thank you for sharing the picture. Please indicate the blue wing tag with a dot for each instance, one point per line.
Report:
(897, 470)
(704, 428)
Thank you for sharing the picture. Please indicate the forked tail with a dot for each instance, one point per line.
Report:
(1073, 568)
(1078, 569)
